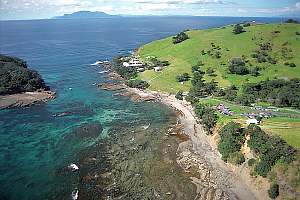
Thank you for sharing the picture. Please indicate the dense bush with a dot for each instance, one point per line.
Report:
(125, 72)
(15, 77)
(251, 162)
(279, 92)
(274, 191)
(180, 37)
(236, 158)
(207, 116)
(179, 95)
(137, 84)
(231, 140)
(183, 77)
(237, 66)
(238, 29)
(269, 149)
(292, 21)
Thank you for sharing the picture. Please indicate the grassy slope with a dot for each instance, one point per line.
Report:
(184, 55)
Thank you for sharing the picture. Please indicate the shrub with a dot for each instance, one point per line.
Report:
(179, 95)
(183, 77)
(231, 139)
(292, 65)
(273, 191)
(210, 71)
(292, 21)
(207, 115)
(297, 33)
(237, 66)
(180, 37)
(238, 29)
(251, 162)
(236, 158)
(137, 84)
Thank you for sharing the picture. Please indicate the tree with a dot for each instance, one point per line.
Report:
(273, 191)
(292, 21)
(183, 77)
(179, 95)
(238, 29)
(237, 66)
(137, 84)
(180, 37)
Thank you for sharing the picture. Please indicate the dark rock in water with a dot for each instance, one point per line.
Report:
(86, 130)
(89, 130)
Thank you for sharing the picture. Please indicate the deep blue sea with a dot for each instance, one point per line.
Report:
(35, 145)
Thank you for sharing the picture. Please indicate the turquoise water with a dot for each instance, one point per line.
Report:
(35, 146)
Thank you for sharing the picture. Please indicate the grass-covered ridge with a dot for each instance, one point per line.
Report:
(284, 49)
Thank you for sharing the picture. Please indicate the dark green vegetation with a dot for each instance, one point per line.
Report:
(179, 95)
(126, 72)
(238, 29)
(273, 191)
(231, 140)
(183, 77)
(180, 37)
(270, 149)
(15, 77)
(292, 21)
(137, 84)
(207, 115)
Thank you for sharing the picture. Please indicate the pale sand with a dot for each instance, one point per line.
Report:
(25, 99)
(236, 182)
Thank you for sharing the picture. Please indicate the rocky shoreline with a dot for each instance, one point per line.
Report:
(25, 99)
(198, 155)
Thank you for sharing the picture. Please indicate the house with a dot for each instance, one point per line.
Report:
(133, 62)
(157, 69)
(252, 121)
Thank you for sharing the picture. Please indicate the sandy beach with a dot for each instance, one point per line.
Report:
(199, 156)
(25, 99)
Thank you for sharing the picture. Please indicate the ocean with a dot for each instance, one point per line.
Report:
(103, 133)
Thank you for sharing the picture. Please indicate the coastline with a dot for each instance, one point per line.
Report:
(25, 99)
(199, 157)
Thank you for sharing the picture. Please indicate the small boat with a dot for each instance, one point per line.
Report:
(146, 126)
(70, 88)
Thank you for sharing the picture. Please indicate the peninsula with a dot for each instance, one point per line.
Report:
(20, 86)
(238, 93)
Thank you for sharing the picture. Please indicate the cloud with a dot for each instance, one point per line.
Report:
(195, 2)
(284, 10)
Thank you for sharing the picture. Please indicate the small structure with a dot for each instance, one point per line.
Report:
(252, 121)
(157, 69)
(224, 110)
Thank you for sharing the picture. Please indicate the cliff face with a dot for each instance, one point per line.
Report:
(15, 77)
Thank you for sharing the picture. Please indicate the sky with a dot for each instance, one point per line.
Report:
(40, 9)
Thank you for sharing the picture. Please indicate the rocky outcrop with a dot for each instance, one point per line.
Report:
(25, 99)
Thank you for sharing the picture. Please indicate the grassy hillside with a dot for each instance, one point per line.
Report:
(184, 55)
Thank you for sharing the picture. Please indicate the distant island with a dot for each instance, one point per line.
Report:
(85, 15)
(20, 86)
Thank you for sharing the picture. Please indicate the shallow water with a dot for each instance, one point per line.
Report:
(36, 147)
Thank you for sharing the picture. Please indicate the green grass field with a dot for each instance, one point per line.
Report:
(184, 55)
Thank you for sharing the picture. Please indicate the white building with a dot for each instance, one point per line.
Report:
(252, 121)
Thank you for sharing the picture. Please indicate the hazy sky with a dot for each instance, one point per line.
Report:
(37, 9)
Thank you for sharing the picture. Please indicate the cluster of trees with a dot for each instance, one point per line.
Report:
(270, 149)
(262, 54)
(126, 72)
(237, 29)
(154, 62)
(15, 77)
(199, 87)
(238, 66)
(292, 21)
(180, 37)
(290, 64)
(207, 115)
(232, 138)
(137, 84)
(183, 77)
(285, 93)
